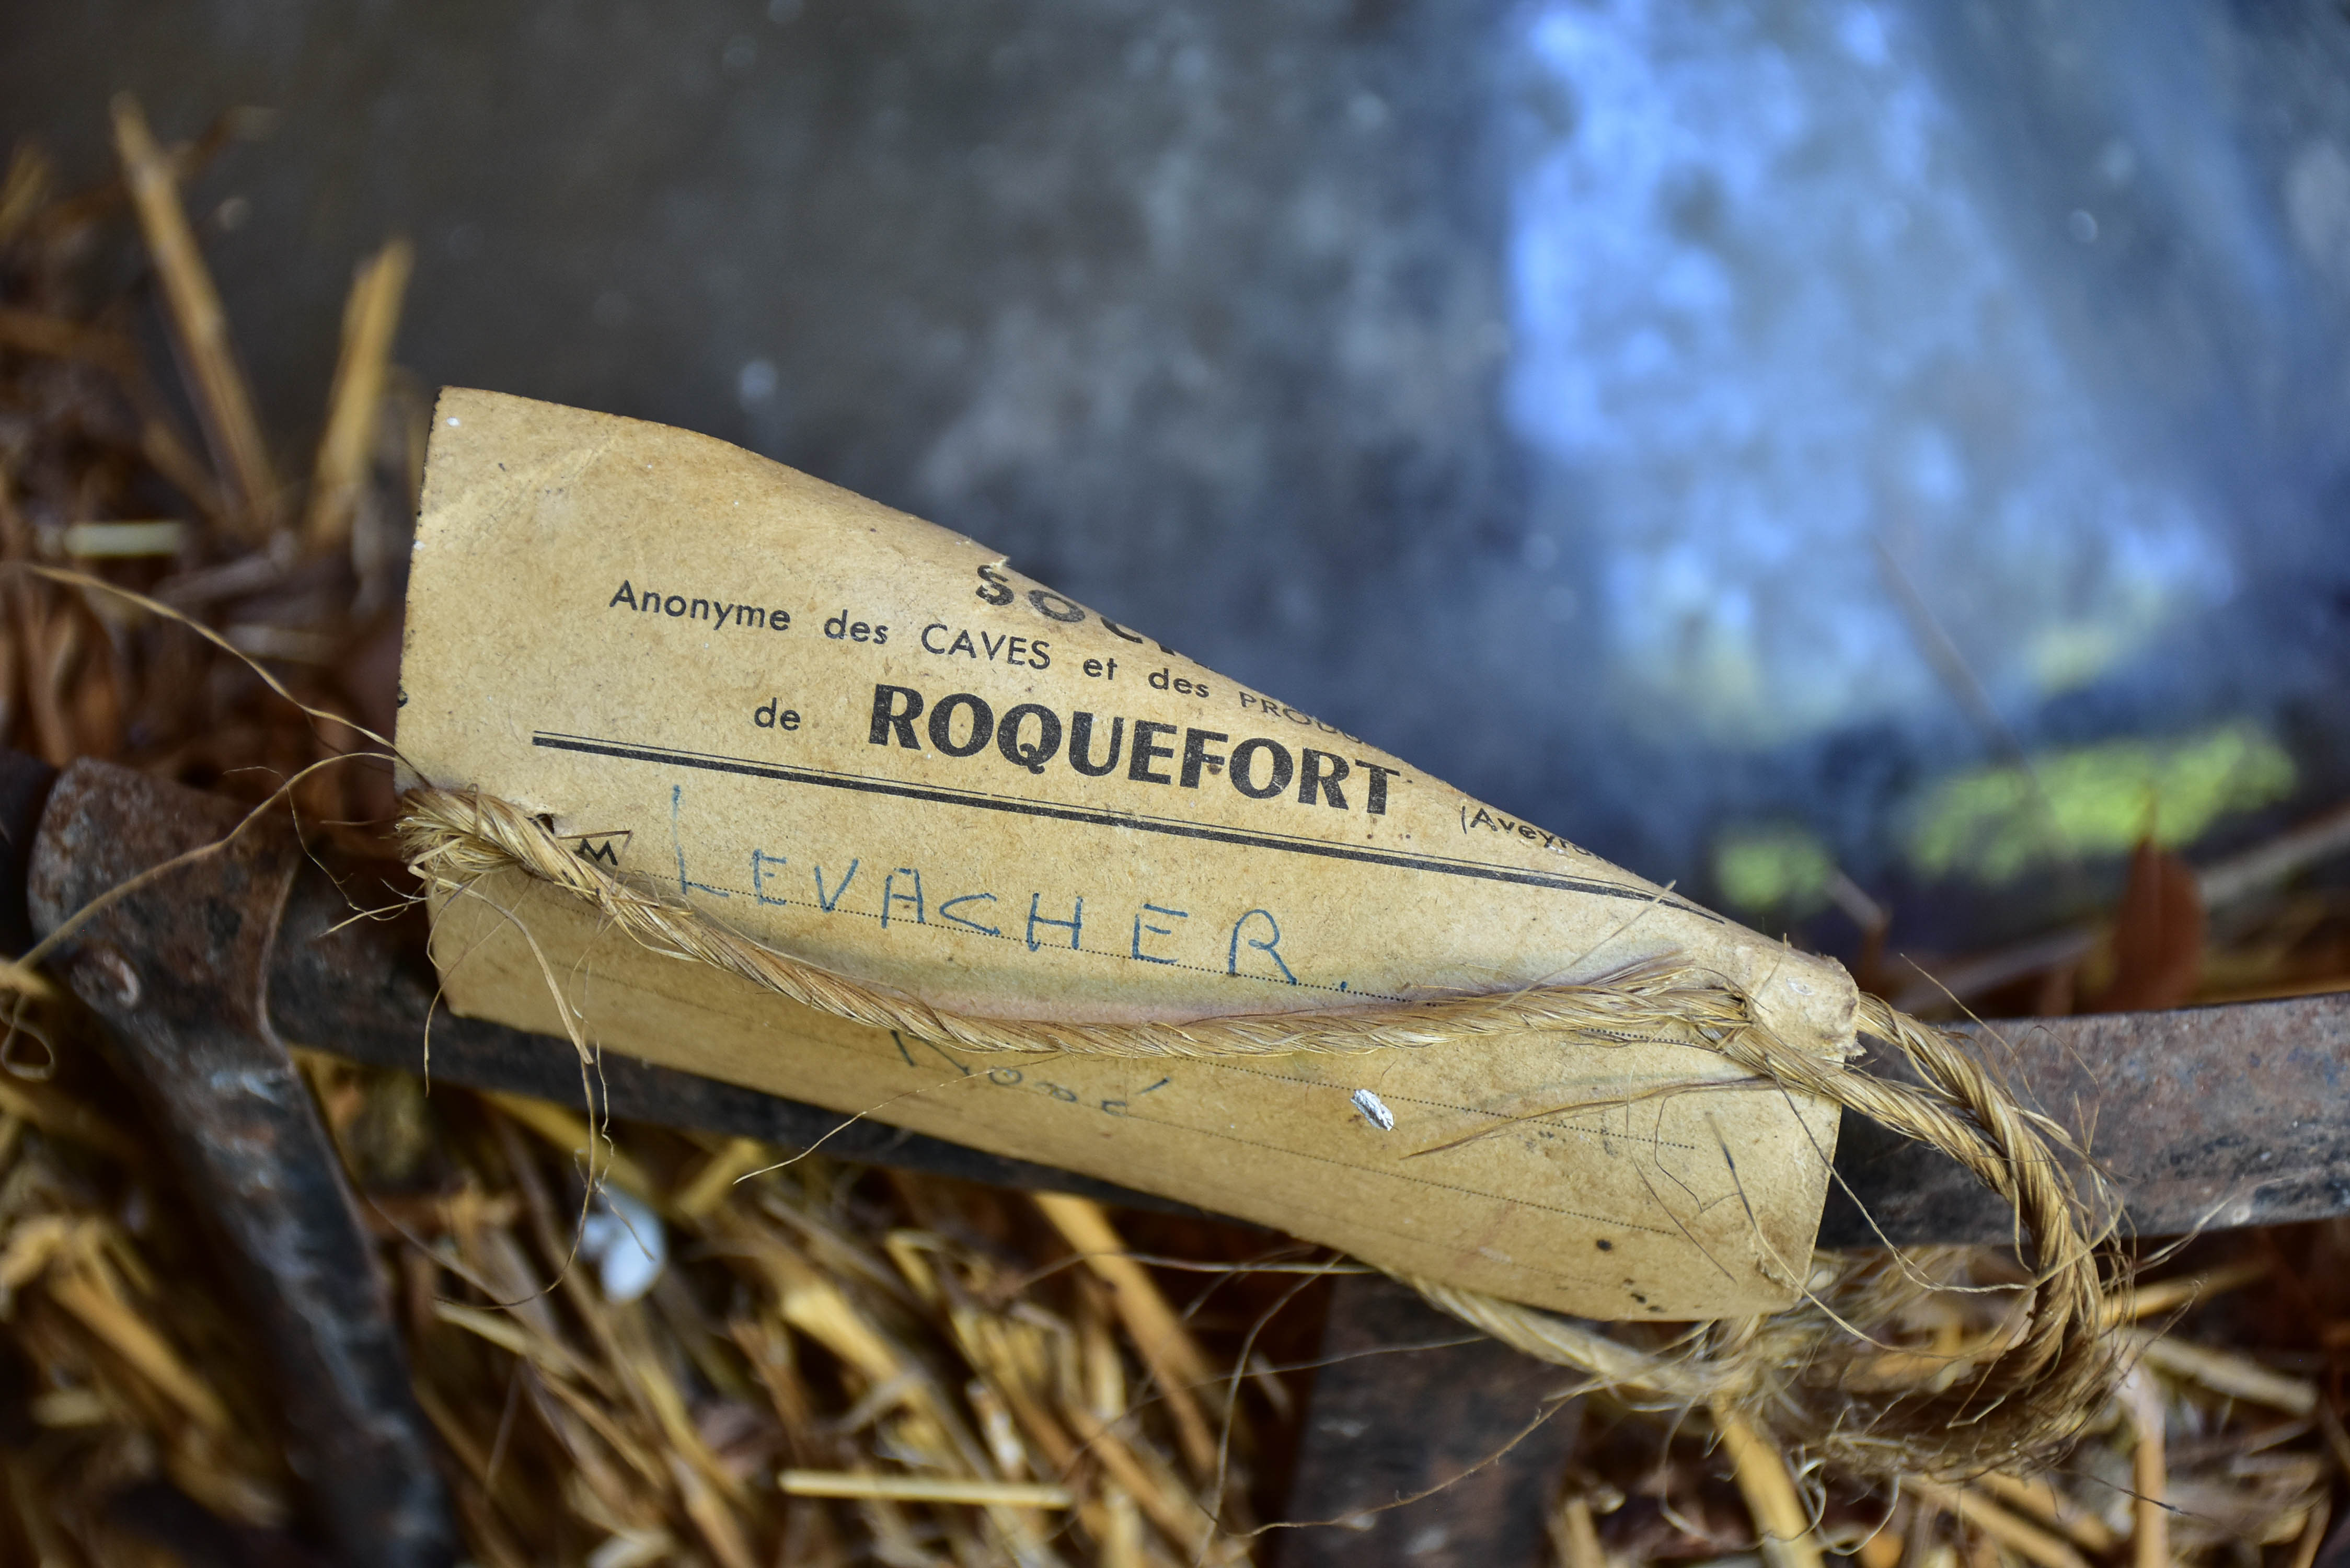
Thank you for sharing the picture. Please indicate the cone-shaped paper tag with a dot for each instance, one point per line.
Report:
(869, 742)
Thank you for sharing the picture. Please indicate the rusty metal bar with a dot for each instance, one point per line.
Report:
(2204, 1118)
(2213, 1116)
(1385, 1423)
(176, 973)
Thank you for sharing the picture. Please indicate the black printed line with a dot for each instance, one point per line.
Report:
(1095, 817)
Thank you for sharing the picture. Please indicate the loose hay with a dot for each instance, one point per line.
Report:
(837, 1366)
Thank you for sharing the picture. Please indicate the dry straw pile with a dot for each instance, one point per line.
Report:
(824, 1363)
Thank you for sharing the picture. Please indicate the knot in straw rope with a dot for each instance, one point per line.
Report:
(1792, 1373)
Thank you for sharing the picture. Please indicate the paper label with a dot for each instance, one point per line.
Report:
(869, 742)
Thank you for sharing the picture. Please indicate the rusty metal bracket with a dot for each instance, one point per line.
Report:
(176, 972)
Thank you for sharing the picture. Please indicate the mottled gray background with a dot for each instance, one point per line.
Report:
(1659, 420)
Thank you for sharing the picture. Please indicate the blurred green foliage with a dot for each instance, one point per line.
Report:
(1994, 825)
(1781, 869)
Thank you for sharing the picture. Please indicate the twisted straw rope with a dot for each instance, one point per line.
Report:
(1790, 1373)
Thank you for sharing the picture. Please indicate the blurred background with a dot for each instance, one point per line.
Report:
(1846, 459)
(1877, 466)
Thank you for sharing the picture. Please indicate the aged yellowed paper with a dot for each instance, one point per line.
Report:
(869, 742)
